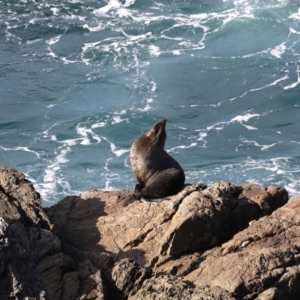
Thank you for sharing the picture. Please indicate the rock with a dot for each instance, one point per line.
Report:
(97, 220)
(165, 236)
(128, 275)
(32, 262)
(167, 287)
(222, 242)
(19, 200)
(196, 219)
(16, 282)
(180, 266)
(270, 294)
(265, 256)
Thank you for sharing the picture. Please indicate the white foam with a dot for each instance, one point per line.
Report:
(278, 50)
(99, 27)
(255, 53)
(120, 152)
(100, 124)
(263, 147)
(67, 61)
(295, 16)
(154, 50)
(53, 40)
(70, 142)
(117, 7)
(202, 136)
(182, 147)
(250, 127)
(33, 41)
(263, 87)
(217, 126)
(88, 46)
(55, 11)
(19, 148)
(109, 187)
(118, 119)
(146, 108)
(292, 30)
(85, 132)
(292, 188)
(128, 3)
(122, 12)
(176, 52)
(110, 5)
(239, 119)
(293, 85)
(244, 118)
(51, 179)
(113, 148)
(154, 86)
(85, 142)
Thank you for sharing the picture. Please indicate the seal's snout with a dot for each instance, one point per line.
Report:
(162, 123)
(158, 128)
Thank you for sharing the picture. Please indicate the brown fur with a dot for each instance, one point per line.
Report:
(159, 175)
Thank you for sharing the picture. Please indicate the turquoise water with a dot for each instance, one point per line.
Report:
(81, 80)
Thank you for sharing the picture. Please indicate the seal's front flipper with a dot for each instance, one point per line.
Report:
(138, 187)
(130, 199)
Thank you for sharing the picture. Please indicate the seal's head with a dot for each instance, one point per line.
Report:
(158, 134)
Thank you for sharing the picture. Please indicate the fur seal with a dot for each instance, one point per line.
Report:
(158, 174)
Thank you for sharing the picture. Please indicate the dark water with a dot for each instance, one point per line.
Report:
(81, 80)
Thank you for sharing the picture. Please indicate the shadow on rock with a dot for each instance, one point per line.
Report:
(75, 222)
(80, 223)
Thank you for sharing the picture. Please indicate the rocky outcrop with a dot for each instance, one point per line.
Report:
(259, 261)
(196, 219)
(32, 263)
(220, 242)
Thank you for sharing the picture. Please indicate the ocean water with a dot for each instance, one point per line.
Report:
(81, 80)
